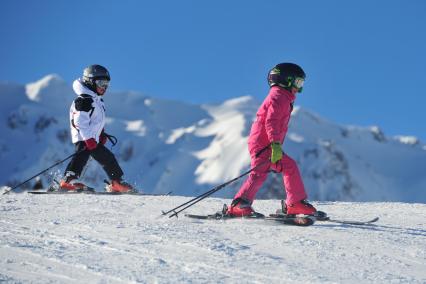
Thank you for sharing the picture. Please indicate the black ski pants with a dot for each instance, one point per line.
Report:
(101, 154)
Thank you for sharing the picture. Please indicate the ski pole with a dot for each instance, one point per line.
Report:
(36, 175)
(200, 197)
(195, 198)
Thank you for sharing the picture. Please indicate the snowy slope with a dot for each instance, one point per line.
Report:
(123, 239)
(174, 146)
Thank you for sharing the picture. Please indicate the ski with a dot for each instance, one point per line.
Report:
(296, 220)
(293, 221)
(89, 192)
(220, 216)
(352, 222)
(322, 217)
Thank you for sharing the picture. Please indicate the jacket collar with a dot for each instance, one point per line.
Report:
(285, 92)
(80, 89)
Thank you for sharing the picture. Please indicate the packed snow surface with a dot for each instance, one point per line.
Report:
(124, 239)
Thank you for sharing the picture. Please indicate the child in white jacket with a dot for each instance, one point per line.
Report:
(87, 122)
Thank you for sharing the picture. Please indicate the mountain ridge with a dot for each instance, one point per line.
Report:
(187, 148)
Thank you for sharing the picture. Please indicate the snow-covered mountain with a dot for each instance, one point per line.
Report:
(175, 146)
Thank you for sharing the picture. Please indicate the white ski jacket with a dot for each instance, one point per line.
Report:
(87, 114)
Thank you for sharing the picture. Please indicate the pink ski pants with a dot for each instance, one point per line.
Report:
(292, 179)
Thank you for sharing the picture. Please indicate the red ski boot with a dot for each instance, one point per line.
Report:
(301, 207)
(119, 186)
(240, 208)
(72, 184)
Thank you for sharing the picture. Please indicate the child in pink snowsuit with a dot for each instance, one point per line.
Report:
(265, 140)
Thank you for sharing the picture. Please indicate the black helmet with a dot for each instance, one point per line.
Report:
(285, 74)
(93, 73)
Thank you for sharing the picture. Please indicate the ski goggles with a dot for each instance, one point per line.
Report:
(298, 82)
(102, 84)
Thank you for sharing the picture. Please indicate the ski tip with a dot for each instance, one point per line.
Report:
(350, 222)
(373, 220)
(216, 216)
(6, 190)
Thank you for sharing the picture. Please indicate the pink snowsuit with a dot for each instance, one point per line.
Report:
(270, 126)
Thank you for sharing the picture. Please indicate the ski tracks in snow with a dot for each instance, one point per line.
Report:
(122, 239)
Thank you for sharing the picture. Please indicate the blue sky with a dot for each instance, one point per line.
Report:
(365, 60)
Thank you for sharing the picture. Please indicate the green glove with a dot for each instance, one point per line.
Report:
(277, 152)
